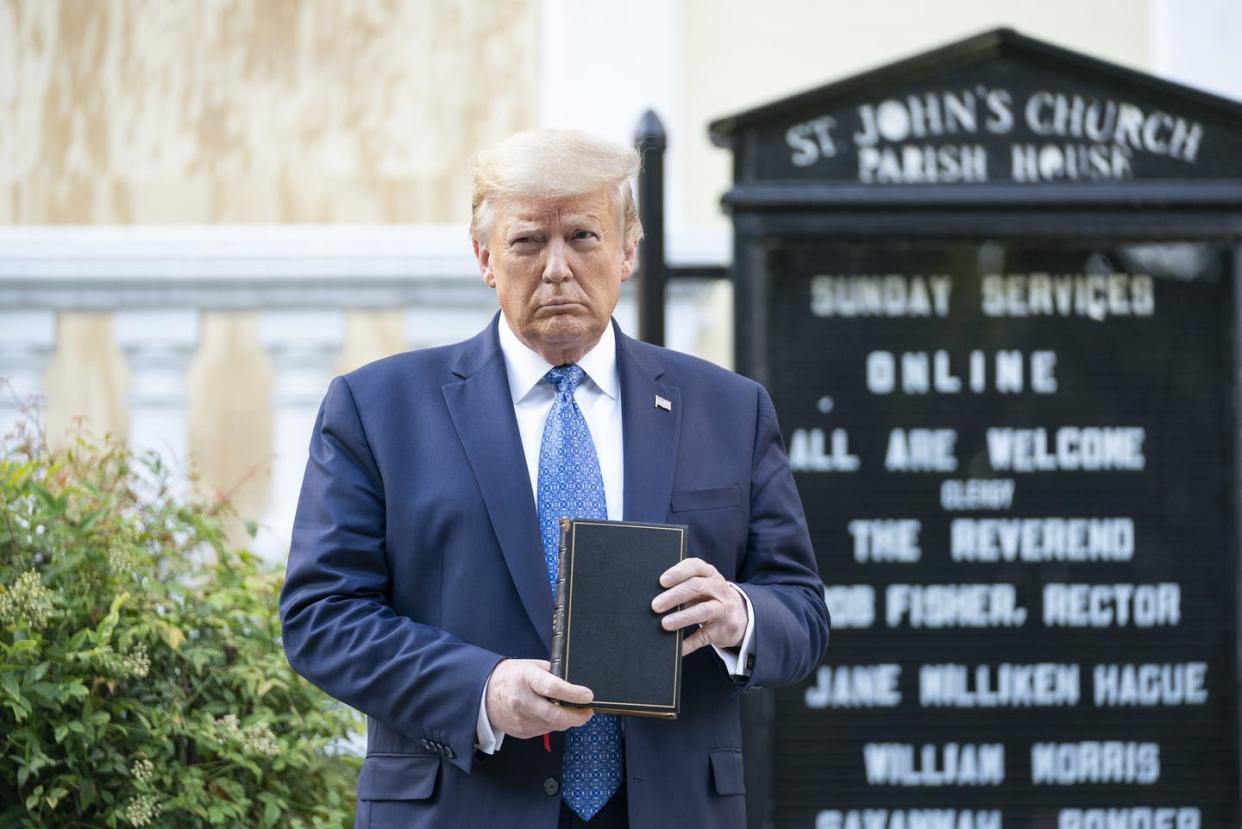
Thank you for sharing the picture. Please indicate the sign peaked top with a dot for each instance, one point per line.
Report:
(999, 106)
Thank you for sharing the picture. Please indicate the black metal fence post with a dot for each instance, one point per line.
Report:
(650, 141)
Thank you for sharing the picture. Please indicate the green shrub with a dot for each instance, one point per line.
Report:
(142, 681)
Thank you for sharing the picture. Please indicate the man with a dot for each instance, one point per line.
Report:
(418, 578)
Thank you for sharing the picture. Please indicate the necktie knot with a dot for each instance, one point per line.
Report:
(566, 378)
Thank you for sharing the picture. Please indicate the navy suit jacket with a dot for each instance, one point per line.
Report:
(416, 565)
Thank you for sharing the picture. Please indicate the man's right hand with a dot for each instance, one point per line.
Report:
(518, 699)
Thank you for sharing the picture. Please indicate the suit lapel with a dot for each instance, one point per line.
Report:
(650, 432)
(482, 411)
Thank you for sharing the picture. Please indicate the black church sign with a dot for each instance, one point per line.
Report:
(993, 291)
(998, 108)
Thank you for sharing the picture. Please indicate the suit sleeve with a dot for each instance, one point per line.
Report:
(339, 630)
(779, 573)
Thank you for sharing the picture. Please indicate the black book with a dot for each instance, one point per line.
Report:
(604, 633)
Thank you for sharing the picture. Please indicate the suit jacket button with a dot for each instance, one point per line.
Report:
(551, 786)
(449, 753)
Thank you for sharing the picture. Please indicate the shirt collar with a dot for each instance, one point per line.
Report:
(526, 367)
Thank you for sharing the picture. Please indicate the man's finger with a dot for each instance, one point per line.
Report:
(694, 641)
(692, 589)
(539, 716)
(552, 687)
(696, 614)
(566, 717)
(548, 716)
(683, 570)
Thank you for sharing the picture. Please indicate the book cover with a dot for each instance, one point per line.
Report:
(604, 633)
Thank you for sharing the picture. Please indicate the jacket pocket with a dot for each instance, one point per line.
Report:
(718, 498)
(398, 777)
(727, 773)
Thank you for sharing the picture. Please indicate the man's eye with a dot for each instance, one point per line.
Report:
(585, 234)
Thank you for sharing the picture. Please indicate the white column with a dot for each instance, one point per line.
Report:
(158, 345)
(689, 314)
(1196, 42)
(303, 346)
(428, 326)
(27, 342)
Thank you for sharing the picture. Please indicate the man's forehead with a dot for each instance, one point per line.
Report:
(597, 205)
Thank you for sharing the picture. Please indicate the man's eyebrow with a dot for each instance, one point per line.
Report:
(579, 218)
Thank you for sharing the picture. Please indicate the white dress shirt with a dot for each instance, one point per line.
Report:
(599, 398)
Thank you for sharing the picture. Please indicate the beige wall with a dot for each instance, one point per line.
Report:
(207, 111)
(245, 111)
(737, 54)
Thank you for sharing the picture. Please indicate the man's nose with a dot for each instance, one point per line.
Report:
(556, 267)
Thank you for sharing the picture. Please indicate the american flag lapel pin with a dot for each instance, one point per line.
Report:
(663, 403)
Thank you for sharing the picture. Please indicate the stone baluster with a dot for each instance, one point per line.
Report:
(428, 326)
(27, 341)
(304, 346)
(158, 345)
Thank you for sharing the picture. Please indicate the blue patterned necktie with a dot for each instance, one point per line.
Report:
(570, 484)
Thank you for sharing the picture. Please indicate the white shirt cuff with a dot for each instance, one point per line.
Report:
(739, 663)
(486, 738)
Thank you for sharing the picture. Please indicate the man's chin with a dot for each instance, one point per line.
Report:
(564, 328)
(567, 336)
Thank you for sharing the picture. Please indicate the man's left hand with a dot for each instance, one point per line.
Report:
(707, 600)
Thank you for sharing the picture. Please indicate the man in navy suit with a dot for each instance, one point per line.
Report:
(417, 588)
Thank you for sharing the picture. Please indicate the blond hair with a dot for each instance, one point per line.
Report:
(552, 163)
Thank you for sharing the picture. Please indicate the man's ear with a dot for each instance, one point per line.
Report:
(484, 257)
(629, 257)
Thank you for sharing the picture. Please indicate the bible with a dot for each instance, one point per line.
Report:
(604, 633)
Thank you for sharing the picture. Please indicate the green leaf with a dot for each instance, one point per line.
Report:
(172, 634)
(207, 616)
(107, 625)
(46, 691)
(88, 520)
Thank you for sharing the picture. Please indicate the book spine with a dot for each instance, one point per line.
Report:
(560, 611)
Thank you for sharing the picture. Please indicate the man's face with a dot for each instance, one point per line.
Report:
(557, 265)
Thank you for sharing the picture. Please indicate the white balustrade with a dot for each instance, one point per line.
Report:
(304, 346)
(158, 345)
(27, 342)
(426, 327)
